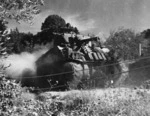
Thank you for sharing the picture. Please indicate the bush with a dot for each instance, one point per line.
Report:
(133, 102)
(9, 91)
(13, 103)
(125, 43)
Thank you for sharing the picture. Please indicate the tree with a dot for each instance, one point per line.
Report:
(146, 42)
(53, 22)
(20, 42)
(56, 24)
(125, 43)
(54, 27)
(20, 9)
(146, 34)
(4, 38)
(3, 26)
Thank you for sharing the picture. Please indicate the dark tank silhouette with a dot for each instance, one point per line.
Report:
(74, 62)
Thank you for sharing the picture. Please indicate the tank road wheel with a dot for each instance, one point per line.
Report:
(77, 73)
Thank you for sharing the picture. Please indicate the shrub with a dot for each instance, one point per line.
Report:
(125, 43)
(9, 91)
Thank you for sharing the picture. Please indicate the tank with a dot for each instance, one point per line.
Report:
(75, 62)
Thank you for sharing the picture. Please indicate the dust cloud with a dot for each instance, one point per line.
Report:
(19, 64)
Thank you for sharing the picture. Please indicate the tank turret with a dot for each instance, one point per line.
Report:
(80, 48)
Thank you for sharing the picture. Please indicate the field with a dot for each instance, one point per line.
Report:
(123, 101)
(98, 102)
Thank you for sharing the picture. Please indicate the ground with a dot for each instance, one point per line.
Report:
(107, 102)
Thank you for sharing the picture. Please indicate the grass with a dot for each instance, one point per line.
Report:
(108, 102)
(16, 101)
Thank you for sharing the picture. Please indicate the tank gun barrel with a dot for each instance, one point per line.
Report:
(88, 39)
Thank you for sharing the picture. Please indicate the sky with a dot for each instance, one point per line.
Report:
(94, 16)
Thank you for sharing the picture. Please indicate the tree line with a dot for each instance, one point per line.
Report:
(125, 42)
(22, 42)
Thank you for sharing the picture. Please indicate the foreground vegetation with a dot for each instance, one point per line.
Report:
(17, 101)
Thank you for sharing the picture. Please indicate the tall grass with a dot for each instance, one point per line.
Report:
(110, 102)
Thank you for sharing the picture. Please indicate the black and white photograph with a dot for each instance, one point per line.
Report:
(74, 57)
